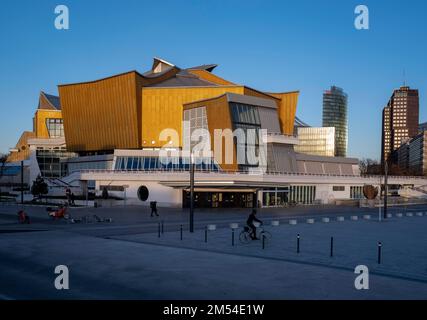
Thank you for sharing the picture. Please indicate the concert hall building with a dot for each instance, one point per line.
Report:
(109, 134)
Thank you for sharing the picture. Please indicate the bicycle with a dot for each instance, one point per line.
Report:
(245, 236)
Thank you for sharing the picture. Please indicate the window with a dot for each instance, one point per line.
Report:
(338, 188)
(143, 193)
(55, 127)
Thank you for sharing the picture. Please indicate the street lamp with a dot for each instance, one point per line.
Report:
(191, 193)
(385, 188)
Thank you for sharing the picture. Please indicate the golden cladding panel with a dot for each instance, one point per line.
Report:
(219, 117)
(162, 109)
(101, 115)
(23, 152)
(40, 121)
(287, 110)
(206, 75)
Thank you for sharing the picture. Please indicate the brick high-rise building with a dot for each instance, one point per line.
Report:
(399, 120)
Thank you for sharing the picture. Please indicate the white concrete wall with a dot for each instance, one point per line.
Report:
(165, 196)
(326, 194)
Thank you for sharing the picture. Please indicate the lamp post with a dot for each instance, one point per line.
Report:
(385, 189)
(191, 193)
(22, 182)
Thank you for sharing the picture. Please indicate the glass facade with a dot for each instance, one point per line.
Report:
(246, 118)
(55, 127)
(335, 115)
(197, 120)
(316, 141)
(220, 199)
(49, 161)
(302, 194)
(277, 197)
(356, 192)
(154, 163)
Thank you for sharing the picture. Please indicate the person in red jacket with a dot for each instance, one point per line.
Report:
(22, 217)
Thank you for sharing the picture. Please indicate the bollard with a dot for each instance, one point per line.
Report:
(379, 252)
(332, 247)
(232, 237)
(293, 222)
(263, 242)
(206, 234)
(158, 229)
(298, 237)
(163, 227)
(181, 232)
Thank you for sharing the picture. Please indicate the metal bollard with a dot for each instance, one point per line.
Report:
(232, 237)
(263, 242)
(181, 232)
(298, 238)
(379, 252)
(158, 229)
(332, 247)
(206, 234)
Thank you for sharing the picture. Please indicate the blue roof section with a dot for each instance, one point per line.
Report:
(54, 100)
(207, 67)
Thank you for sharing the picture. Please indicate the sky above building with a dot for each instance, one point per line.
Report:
(268, 45)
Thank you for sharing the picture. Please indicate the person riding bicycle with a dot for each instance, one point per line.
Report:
(250, 222)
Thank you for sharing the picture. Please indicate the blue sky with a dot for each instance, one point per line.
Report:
(269, 45)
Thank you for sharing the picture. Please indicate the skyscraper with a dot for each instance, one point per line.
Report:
(335, 115)
(399, 120)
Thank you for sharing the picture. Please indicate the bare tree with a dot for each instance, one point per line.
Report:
(369, 166)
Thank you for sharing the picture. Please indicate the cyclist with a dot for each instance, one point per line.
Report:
(250, 222)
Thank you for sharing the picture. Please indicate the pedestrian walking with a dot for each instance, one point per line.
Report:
(153, 206)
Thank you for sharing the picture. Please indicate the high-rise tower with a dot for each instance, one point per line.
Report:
(335, 115)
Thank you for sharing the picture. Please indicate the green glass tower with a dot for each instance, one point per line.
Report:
(335, 115)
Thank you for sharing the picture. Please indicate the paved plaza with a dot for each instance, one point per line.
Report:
(126, 258)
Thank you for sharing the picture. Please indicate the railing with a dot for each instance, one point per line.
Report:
(234, 172)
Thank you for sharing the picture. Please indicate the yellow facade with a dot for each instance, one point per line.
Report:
(130, 110)
(101, 115)
(162, 108)
(287, 108)
(22, 150)
(219, 117)
(40, 121)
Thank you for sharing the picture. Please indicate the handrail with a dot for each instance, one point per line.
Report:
(270, 173)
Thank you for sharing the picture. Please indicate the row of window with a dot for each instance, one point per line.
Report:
(356, 192)
(155, 163)
(302, 194)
